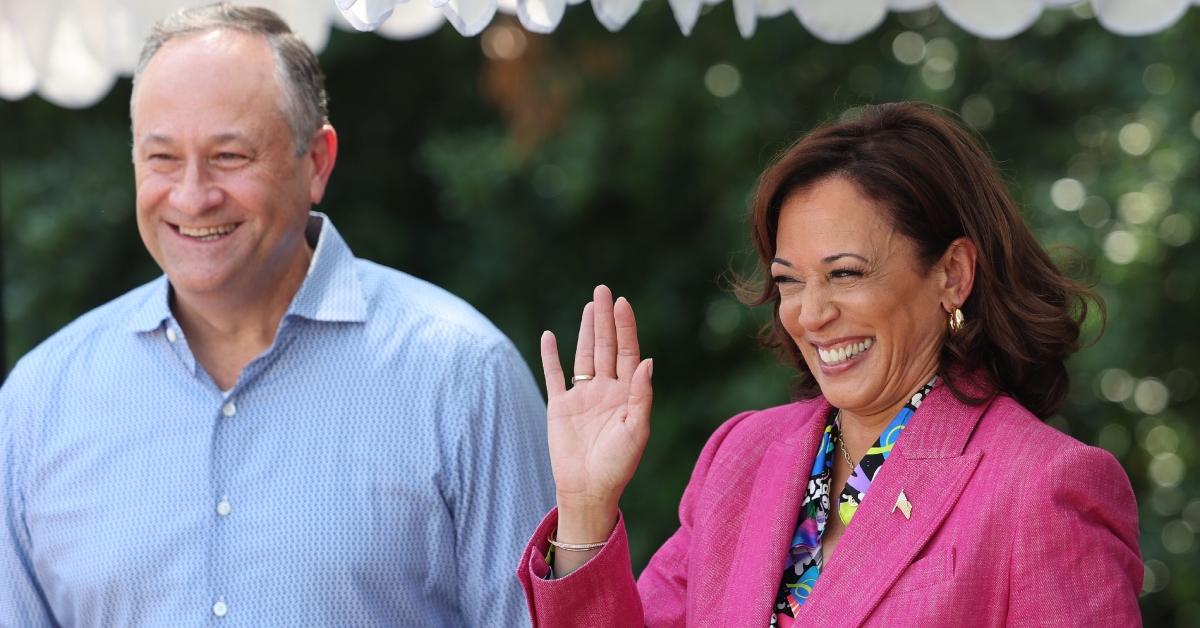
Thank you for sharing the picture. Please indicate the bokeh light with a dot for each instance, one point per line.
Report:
(1167, 469)
(1156, 576)
(1175, 230)
(978, 111)
(941, 55)
(722, 80)
(502, 42)
(1158, 78)
(1095, 212)
(1067, 194)
(1178, 537)
(908, 48)
(1135, 138)
(1116, 385)
(1150, 396)
(1162, 439)
(1166, 164)
(1167, 501)
(1135, 208)
(1120, 246)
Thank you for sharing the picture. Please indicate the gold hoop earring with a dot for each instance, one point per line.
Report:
(956, 321)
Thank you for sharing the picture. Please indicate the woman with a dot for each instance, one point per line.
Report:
(914, 482)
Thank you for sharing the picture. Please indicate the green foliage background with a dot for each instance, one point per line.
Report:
(520, 180)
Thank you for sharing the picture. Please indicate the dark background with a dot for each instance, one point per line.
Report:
(519, 170)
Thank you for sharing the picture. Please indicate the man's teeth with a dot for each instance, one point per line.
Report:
(206, 233)
(841, 354)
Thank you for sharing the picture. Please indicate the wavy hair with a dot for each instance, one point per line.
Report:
(1023, 316)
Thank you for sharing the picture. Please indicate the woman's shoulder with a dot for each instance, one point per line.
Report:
(1010, 431)
(752, 428)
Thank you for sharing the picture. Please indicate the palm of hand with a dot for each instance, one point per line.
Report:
(593, 448)
(598, 429)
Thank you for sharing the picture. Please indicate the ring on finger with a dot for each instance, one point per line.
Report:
(575, 379)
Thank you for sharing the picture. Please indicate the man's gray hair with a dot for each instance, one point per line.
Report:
(305, 104)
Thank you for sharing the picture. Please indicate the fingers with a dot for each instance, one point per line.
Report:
(606, 333)
(551, 367)
(585, 346)
(628, 353)
(641, 397)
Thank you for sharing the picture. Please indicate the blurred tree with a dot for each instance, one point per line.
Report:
(518, 170)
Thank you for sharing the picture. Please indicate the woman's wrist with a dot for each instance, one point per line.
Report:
(589, 522)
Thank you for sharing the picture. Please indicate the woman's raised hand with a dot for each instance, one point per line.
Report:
(598, 428)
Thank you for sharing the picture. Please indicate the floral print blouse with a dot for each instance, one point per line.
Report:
(804, 559)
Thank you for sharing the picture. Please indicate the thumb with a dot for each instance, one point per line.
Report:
(641, 395)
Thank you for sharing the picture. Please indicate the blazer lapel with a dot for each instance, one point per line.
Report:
(929, 465)
(766, 534)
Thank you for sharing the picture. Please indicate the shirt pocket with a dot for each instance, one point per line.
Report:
(936, 567)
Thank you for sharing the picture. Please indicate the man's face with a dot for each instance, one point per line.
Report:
(222, 198)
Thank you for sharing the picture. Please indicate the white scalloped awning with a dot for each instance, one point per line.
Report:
(70, 52)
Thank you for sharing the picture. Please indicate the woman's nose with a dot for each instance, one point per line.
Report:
(816, 308)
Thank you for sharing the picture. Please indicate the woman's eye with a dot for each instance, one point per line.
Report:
(787, 284)
(845, 273)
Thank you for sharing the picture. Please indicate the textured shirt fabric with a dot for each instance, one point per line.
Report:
(990, 539)
(379, 465)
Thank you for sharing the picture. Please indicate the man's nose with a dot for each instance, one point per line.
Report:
(195, 192)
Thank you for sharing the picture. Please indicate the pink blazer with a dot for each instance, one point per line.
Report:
(1012, 523)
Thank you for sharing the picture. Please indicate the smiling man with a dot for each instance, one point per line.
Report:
(275, 432)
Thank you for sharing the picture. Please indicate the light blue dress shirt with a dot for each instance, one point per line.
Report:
(382, 463)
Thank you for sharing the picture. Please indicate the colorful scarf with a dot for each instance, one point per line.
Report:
(804, 559)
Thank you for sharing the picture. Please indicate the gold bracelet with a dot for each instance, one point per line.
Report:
(575, 547)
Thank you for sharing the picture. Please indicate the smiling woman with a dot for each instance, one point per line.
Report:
(929, 332)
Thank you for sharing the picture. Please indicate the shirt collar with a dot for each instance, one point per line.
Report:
(154, 308)
(331, 290)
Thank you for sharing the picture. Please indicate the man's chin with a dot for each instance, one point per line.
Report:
(198, 284)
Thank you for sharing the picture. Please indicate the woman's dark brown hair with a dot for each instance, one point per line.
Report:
(1023, 317)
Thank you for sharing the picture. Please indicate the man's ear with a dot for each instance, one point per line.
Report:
(322, 153)
(958, 271)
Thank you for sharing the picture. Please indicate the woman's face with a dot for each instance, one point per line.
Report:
(856, 300)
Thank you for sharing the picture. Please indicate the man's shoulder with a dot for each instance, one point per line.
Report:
(397, 298)
(82, 333)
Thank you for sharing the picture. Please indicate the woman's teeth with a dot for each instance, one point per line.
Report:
(841, 354)
(206, 233)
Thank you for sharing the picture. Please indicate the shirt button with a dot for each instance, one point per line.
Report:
(223, 508)
(229, 409)
(220, 609)
(171, 335)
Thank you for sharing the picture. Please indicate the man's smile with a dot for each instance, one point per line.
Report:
(206, 234)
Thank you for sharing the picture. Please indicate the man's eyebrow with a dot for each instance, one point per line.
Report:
(227, 136)
(156, 138)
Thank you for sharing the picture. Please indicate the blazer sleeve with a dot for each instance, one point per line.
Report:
(602, 593)
(1076, 562)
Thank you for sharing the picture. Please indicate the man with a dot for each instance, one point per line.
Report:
(275, 433)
